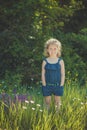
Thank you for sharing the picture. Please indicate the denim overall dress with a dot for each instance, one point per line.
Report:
(53, 79)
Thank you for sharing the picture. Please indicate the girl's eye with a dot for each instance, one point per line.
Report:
(54, 48)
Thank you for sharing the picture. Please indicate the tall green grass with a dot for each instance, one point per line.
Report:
(31, 114)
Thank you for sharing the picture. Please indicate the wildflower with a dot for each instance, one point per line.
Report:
(79, 99)
(55, 106)
(32, 101)
(41, 110)
(82, 103)
(81, 107)
(60, 104)
(33, 108)
(24, 107)
(74, 98)
(26, 101)
(38, 105)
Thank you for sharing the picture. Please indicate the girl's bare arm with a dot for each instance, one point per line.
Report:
(62, 73)
(43, 74)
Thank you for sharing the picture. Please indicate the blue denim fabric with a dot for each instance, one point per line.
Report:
(53, 79)
(55, 90)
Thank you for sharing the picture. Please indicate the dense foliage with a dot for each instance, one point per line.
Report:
(26, 25)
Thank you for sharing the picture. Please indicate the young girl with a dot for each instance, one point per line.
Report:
(53, 73)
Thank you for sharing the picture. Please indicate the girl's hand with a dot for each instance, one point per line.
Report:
(62, 85)
(44, 85)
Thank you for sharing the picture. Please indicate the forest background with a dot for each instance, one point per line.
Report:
(25, 25)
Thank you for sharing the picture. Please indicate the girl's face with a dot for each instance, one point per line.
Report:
(53, 50)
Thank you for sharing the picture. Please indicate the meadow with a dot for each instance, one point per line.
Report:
(31, 115)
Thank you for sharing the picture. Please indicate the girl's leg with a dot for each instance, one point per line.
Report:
(57, 102)
(47, 102)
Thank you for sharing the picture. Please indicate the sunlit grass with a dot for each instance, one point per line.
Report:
(31, 115)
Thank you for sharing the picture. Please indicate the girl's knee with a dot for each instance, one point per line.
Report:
(48, 101)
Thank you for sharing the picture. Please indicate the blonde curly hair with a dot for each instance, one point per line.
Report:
(52, 41)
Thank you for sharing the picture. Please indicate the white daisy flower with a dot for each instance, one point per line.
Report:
(33, 108)
(41, 110)
(38, 105)
(24, 107)
(79, 99)
(32, 101)
(26, 101)
(82, 103)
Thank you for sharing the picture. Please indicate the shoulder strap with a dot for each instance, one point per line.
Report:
(59, 60)
(45, 60)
